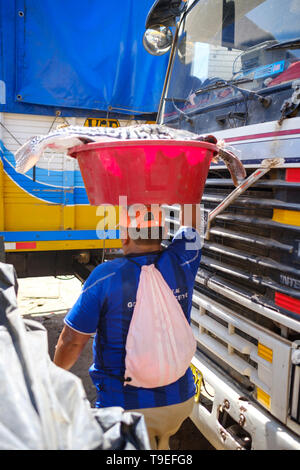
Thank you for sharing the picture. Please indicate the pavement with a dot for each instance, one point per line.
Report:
(47, 300)
(47, 295)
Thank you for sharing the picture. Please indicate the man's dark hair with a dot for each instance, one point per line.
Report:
(147, 236)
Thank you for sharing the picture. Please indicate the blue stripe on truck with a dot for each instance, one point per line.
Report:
(52, 235)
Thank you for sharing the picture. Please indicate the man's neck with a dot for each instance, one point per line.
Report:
(140, 249)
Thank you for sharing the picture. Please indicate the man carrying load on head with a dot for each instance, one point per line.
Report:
(105, 307)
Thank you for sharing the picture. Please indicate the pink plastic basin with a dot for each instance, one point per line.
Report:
(145, 171)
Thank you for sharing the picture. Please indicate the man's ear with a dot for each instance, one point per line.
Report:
(125, 241)
(124, 237)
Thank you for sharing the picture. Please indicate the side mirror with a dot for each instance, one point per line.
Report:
(157, 40)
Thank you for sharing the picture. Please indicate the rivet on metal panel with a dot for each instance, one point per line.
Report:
(21, 13)
(242, 420)
(226, 404)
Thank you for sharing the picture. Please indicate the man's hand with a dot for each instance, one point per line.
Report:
(69, 347)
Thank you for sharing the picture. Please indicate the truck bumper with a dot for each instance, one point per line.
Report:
(233, 421)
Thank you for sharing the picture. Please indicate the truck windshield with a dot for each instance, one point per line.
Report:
(254, 44)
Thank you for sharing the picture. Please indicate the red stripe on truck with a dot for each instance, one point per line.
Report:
(287, 302)
(25, 245)
(292, 175)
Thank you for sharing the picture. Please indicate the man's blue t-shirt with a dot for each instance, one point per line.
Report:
(105, 307)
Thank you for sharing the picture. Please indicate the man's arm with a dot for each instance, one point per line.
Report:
(69, 347)
(191, 215)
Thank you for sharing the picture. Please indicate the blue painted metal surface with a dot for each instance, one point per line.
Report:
(52, 235)
(82, 58)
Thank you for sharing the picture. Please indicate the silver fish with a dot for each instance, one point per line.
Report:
(63, 139)
(233, 164)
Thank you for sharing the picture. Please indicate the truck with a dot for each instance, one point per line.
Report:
(231, 69)
(234, 72)
(47, 226)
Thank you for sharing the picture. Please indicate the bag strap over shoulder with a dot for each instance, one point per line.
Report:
(129, 379)
(158, 255)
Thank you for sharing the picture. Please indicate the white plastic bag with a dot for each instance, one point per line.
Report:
(160, 342)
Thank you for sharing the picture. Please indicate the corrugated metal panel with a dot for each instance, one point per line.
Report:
(19, 128)
(220, 61)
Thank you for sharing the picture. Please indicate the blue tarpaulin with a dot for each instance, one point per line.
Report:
(77, 55)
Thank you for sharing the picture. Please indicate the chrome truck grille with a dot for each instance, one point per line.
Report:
(254, 246)
(246, 303)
